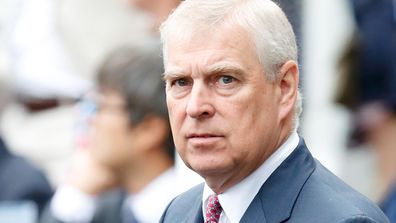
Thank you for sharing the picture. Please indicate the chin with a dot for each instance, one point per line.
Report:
(209, 170)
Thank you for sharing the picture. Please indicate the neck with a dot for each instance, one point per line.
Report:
(137, 176)
(383, 141)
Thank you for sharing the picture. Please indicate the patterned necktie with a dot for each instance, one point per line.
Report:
(213, 209)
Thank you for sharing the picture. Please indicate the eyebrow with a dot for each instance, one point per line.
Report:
(225, 67)
(173, 73)
(217, 68)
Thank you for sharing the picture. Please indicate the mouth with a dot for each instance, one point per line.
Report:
(203, 139)
(202, 135)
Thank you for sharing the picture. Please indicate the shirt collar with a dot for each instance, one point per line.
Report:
(237, 199)
(161, 189)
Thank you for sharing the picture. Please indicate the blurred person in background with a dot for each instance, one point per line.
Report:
(369, 90)
(131, 148)
(46, 85)
(24, 189)
(158, 9)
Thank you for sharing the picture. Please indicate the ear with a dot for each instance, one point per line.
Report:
(288, 85)
(151, 132)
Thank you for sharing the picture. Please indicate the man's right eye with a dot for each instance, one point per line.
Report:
(180, 82)
(179, 87)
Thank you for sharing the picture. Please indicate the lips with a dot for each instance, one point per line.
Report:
(201, 135)
(203, 139)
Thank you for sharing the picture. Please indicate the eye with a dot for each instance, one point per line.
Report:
(180, 86)
(226, 80)
(180, 82)
(226, 84)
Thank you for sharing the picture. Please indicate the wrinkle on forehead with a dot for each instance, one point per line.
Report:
(198, 37)
(227, 47)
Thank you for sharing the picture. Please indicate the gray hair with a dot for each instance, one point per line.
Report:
(136, 73)
(265, 23)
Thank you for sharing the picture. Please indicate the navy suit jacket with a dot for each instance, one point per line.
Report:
(388, 205)
(299, 190)
(20, 180)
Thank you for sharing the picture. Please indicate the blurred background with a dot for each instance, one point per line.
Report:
(50, 51)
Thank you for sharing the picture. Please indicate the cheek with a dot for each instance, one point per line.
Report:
(115, 148)
(176, 118)
(103, 144)
(176, 113)
(106, 130)
(240, 114)
(251, 121)
(108, 133)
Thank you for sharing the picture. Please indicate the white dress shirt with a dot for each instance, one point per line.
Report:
(149, 204)
(237, 199)
(71, 205)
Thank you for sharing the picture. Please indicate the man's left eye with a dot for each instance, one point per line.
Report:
(226, 79)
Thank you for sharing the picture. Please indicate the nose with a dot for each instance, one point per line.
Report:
(200, 103)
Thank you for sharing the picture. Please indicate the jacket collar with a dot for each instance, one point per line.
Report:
(196, 207)
(199, 215)
(275, 200)
(3, 150)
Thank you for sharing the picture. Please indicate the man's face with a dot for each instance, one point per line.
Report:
(224, 114)
(112, 133)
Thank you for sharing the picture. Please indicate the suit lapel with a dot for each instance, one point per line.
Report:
(109, 208)
(255, 212)
(275, 200)
(199, 215)
(193, 207)
(4, 153)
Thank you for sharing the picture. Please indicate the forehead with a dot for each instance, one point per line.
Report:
(225, 46)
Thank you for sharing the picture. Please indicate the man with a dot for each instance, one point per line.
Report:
(24, 188)
(375, 81)
(232, 94)
(131, 147)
